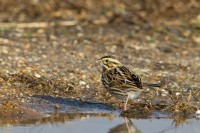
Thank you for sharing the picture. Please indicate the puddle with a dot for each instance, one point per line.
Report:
(75, 116)
(98, 123)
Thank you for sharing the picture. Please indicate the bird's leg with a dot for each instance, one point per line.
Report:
(127, 121)
(126, 102)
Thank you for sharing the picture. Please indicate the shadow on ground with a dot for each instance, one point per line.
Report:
(71, 105)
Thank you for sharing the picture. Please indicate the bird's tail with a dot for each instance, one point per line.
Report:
(152, 84)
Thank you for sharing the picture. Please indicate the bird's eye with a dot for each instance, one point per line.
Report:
(106, 60)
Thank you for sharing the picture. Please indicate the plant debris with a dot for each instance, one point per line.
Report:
(56, 56)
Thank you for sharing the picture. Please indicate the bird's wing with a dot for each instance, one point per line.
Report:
(122, 77)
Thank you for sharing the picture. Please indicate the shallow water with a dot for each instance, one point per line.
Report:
(74, 117)
(99, 123)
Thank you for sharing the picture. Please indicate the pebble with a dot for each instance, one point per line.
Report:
(37, 75)
(80, 34)
(164, 92)
(87, 86)
(17, 84)
(82, 82)
(177, 93)
(198, 114)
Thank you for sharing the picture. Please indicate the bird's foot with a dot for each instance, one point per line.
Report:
(124, 109)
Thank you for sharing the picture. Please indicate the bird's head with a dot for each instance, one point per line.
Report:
(109, 62)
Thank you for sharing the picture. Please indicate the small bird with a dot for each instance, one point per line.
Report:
(120, 81)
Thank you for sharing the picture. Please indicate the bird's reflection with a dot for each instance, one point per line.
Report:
(126, 127)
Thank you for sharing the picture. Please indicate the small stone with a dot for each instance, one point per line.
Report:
(186, 33)
(83, 76)
(82, 82)
(1, 80)
(87, 86)
(197, 114)
(44, 56)
(4, 50)
(21, 94)
(164, 92)
(196, 39)
(22, 100)
(148, 38)
(37, 75)
(17, 84)
(80, 34)
(56, 92)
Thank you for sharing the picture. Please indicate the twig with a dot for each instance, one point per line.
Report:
(51, 24)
